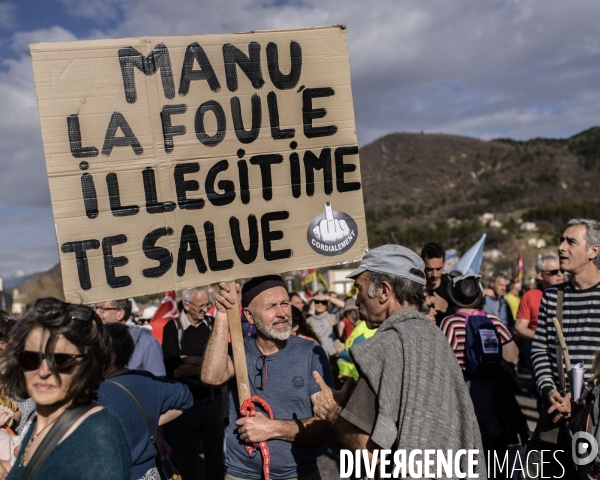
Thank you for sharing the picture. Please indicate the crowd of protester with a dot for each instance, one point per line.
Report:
(86, 392)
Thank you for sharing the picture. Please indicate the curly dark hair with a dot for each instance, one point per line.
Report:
(6, 325)
(78, 324)
(304, 327)
(122, 343)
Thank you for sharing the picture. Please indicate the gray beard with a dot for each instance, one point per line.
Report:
(271, 334)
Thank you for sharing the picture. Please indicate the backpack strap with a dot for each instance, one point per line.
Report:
(139, 405)
(53, 437)
(559, 353)
(179, 326)
(590, 399)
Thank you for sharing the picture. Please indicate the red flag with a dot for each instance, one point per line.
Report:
(166, 311)
(308, 275)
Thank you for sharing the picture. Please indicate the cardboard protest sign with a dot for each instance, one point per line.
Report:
(181, 161)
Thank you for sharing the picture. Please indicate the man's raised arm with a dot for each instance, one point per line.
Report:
(217, 367)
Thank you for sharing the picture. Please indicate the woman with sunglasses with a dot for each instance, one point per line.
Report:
(57, 355)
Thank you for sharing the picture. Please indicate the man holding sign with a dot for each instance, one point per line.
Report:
(280, 372)
(181, 161)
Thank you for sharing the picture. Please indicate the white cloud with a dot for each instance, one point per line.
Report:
(502, 57)
(484, 69)
(21, 40)
(7, 15)
(23, 180)
(99, 11)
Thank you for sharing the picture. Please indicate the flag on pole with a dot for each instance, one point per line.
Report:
(470, 262)
(166, 311)
(519, 275)
(306, 279)
(308, 275)
(322, 281)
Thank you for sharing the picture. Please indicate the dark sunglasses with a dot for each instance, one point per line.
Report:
(260, 379)
(321, 302)
(551, 273)
(64, 362)
(53, 308)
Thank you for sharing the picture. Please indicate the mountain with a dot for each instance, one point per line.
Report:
(423, 187)
(43, 284)
(433, 187)
(10, 282)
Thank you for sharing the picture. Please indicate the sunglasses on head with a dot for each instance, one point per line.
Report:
(551, 273)
(64, 362)
(54, 308)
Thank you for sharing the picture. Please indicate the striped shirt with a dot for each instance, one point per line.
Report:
(454, 329)
(581, 327)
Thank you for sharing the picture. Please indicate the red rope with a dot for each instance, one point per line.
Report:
(249, 410)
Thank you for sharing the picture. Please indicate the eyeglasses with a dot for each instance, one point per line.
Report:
(204, 306)
(53, 308)
(104, 309)
(551, 273)
(63, 362)
(260, 379)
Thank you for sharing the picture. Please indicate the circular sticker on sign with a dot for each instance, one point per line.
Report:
(332, 233)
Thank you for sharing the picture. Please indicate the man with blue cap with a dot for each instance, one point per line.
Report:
(410, 394)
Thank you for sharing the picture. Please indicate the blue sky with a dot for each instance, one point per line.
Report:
(487, 69)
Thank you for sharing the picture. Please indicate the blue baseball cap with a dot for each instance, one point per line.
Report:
(393, 260)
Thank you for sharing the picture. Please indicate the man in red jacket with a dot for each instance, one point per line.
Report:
(548, 273)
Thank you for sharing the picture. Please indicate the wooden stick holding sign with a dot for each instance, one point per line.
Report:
(237, 347)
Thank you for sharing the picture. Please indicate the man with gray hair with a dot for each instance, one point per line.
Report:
(578, 254)
(147, 354)
(548, 273)
(411, 393)
(184, 343)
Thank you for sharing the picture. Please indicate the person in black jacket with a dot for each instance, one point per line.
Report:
(434, 256)
(184, 342)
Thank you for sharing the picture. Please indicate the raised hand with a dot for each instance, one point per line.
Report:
(331, 229)
(6, 416)
(328, 403)
(225, 299)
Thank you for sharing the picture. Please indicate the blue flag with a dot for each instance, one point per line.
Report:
(471, 260)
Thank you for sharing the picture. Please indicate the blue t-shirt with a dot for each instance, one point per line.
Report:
(157, 396)
(289, 385)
